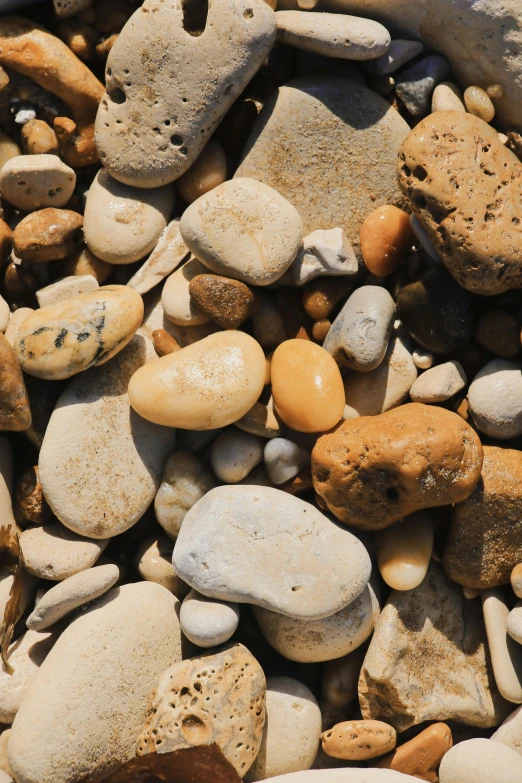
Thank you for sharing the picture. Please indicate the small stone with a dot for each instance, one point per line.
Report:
(415, 85)
(359, 740)
(234, 541)
(324, 253)
(371, 473)
(227, 227)
(83, 262)
(481, 760)
(291, 731)
(306, 386)
(333, 35)
(206, 622)
(185, 480)
(268, 324)
(153, 561)
(207, 172)
(227, 302)
(30, 501)
(81, 38)
(169, 251)
(177, 303)
(421, 756)
(495, 399)
(321, 296)
(226, 693)
(54, 552)
(510, 731)
(38, 138)
(499, 332)
(47, 235)
(516, 580)
(447, 97)
(495, 91)
(479, 103)
(340, 677)
(320, 329)
(398, 54)
(32, 182)
(506, 654)
(105, 46)
(386, 238)
(284, 459)
(15, 410)
(422, 359)
(404, 551)
(8, 148)
(164, 343)
(260, 420)
(439, 383)
(65, 289)
(6, 242)
(424, 238)
(234, 454)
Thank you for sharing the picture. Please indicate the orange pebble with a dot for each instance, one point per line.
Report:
(386, 237)
(320, 329)
(164, 343)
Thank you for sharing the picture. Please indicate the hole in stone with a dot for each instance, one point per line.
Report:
(248, 13)
(195, 14)
(420, 173)
(176, 140)
(392, 493)
(116, 94)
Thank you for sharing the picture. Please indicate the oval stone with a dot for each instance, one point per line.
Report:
(54, 552)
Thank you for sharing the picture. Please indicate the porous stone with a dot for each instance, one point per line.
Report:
(66, 288)
(100, 464)
(92, 689)
(324, 253)
(54, 552)
(415, 85)
(25, 656)
(123, 223)
(226, 301)
(473, 227)
(399, 52)
(47, 235)
(206, 622)
(421, 756)
(404, 551)
(506, 654)
(177, 303)
(284, 459)
(207, 172)
(153, 562)
(439, 383)
(485, 538)
(333, 35)
(15, 410)
(211, 698)
(494, 398)
(480, 759)
(73, 592)
(234, 454)
(374, 470)
(447, 97)
(288, 149)
(232, 542)
(185, 480)
(358, 740)
(31, 182)
(169, 251)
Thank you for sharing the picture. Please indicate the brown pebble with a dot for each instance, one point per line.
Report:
(47, 235)
(38, 138)
(356, 740)
(227, 302)
(6, 242)
(386, 238)
(15, 412)
(30, 503)
(164, 343)
(322, 295)
(320, 329)
(104, 47)
(84, 262)
(499, 332)
(297, 322)
(80, 38)
(421, 756)
(20, 286)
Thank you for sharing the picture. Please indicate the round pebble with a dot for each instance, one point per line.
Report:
(422, 359)
(404, 551)
(207, 622)
(514, 623)
(386, 237)
(481, 760)
(447, 97)
(154, 562)
(439, 383)
(47, 235)
(284, 459)
(185, 480)
(479, 103)
(495, 399)
(234, 454)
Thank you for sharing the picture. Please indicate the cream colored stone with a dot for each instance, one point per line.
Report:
(123, 223)
(207, 172)
(5, 315)
(510, 731)
(4, 764)
(479, 103)
(92, 690)
(516, 580)
(207, 622)
(16, 319)
(234, 454)
(506, 654)
(54, 552)
(284, 459)
(25, 656)
(8, 148)
(31, 182)
(168, 253)
(439, 383)
(333, 35)
(207, 385)
(65, 289)
(185, 480)
(404, 550)
(344, 776)
(495, 399)
(154, 562)
(447, 96)
(481, 760)
(422, 359)
(175, 298)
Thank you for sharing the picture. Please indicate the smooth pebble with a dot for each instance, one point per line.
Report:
(65, 289)
(54, 552)
(479, 103)
(185, 480)
(178, 305)
(284, 459)
(506, 654)
(481, 760)
(207, 622)
(404, 551)
(333, 35)
(439, 383)
(234, 454)
(359, 740)
(495, 399)
(516, 580)
(447, 97)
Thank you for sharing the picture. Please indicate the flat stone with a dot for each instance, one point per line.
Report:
(25, 656)
(439, 383)
(415, 85)
(333, 35)
(35, 181)
(312, 128)
(206, 622)
(265, 547)
(65, 288)
(480, 759)
(324, 253)
(168, 253)
(54, 552)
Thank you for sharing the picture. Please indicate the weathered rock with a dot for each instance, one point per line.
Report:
(374, 470)
(209, 699)
(92, 690)
(47, 235)
(494, 398)
(415, 85)
(169, 251)
(333, 35)
(35, 181)
(206, 622)
(480, 759)
(422, 755)
(201, 763)
(54, 552)
(15, 410)
(185, 480)
(226, 301)
(232, 542)
(324, 253)
(357, 740)
(38, 138)
(420, 633)
(485, 538)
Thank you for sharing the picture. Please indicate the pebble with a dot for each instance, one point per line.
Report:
(177, 303)
(209, 384)
(14, 323)
(185, 480)
(5, 315)
(420, 757)
(68, 337)
(207, 172)
(359, 740)
(437, 619)
(38, 138)
(234, 454)
(243, 229)
(30, 502)
(167, 255)
(100, 465)
(479, 244)
(367, 473)
(494, 398)
(123, 223)
(447, 97)
(321, 296)
(479, 103)
(4, 764)
(415, 85)
(386, 237)
(8, 148)
(499, 332)
(324, 253)
(481, 760)
(164, 343)
(47, 235)
(97, 678)
(54, 552)
(306, 386)
(206, 622)
(227, 302)
(340, 677)
(333, 35)
(509, 732)
(516, 580)
(291, 731)
(312, 641)
(489, 522)
(184, 100)
(314, 583)
(506, 654)
(32, 182)
(230, 698)
(399, 53)
(260, 420)
(268, 324)
(404, 551)
(65, 288)
(72, 592)
(284, 459)
(320, 329)
(83, 262)
(15, 410)
(422, 359)
(439, 383)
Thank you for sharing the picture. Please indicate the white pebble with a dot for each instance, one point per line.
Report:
(234, 454)
(439, 383)
(185, 480)
(422, 359)
(207, 622)
(284, 459)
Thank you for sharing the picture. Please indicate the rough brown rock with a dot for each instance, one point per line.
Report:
(485, 539)
(374, 470)
(30, 503)
(466, 187)
(212, 698)
(164, 343)
(428, 660)
(227, 302)
(47, 235)
(421, 756)
(15, 412)
(190, 765)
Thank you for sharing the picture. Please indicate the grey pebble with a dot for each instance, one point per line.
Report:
(415, 85)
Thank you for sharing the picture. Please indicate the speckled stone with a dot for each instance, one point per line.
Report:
(54, 552)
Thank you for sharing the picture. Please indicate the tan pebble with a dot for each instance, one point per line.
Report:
(38, 138)
(340, 677)
(320, 329)
(260, 420)
(47, 235)
(506, 653)
(81, 38)
(404, 551)
(65, 289)
(168, 253)
(516, 580)
(15, 411)
(154, 562)
(104, 47)
(499, 332)
(6, 242)
(307, 386)
(386, 237)
(14, 323)
(227, 302)
(447, 97)
(268, 324)
(30, 502)
(495, 91)
(207, 172)
(333, 35)
(209, 384)
(176, 301)
(357, 740)
(185, 480)
(164, 343)
(8, 148)
(479, 103)
(422, 359)
(83, 262)
(55, 552)
(421, 756)
(320, 297)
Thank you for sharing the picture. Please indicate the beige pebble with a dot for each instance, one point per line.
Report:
(480, 760)
(55, 552)
(260, 420)
(207, 172)
(177, 303)
(358, 740)
(439, 383)
(8, 148)
(506, 654)
(168, 253)
(422, 359)
(38, 138)
(206, 622)
(154, 563)
(404, 551)
(234, 454)
(15, 321)
(447, 96)
(333, 35)
(83, 262)
(32, 182)
(495, 91)
(516, 580)
(65, 289)
(4, 763)
(185, 480)
(479, 103)
(209, 384)
(514, 623)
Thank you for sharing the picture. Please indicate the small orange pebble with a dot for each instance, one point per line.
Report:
(164, 343)
(386, 237)
(320, 329)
